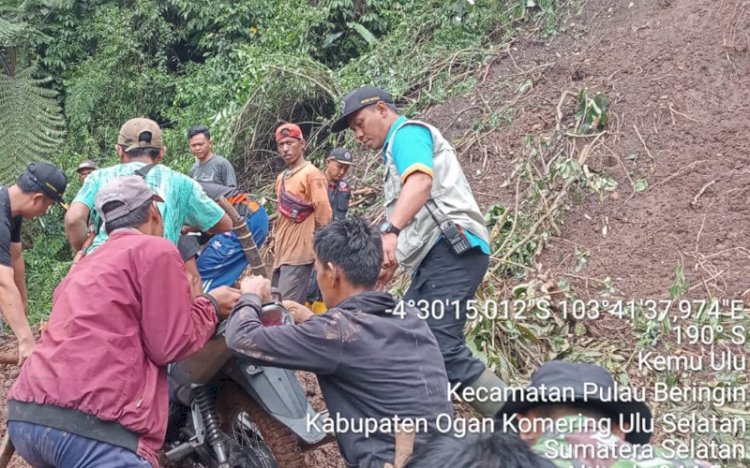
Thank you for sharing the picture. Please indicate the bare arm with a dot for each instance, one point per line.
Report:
(194, 278)
(75, 225)
(224, 225)
(19, 273)
(319, 199)
(12, 308)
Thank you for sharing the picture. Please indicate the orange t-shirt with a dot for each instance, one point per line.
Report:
(294, 241)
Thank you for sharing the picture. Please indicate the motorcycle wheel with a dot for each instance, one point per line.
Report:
(235, 406)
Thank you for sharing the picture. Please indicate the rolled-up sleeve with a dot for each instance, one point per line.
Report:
(314, 345)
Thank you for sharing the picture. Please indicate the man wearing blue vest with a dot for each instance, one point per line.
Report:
(433, 227)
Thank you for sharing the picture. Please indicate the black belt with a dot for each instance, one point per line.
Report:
(75, 422)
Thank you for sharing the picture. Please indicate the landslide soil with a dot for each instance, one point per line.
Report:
(676, 73)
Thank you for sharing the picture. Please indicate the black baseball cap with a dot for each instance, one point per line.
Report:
(42, 177)
(359, 99)
(588, 386)
(342, 155)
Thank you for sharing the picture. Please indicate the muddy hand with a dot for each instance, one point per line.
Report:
(227, 298)
(258, 285)
(298, 312)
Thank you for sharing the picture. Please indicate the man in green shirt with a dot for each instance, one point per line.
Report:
(140, 148)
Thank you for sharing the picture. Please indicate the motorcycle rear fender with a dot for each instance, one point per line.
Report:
(279, 393)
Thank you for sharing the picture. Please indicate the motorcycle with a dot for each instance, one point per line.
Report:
(228, 412)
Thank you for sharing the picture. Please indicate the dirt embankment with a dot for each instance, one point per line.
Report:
(676, 74)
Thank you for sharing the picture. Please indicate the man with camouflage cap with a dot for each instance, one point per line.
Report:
(574, 415)
(86, 168)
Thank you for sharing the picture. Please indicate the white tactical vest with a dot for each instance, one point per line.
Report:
(450, 191)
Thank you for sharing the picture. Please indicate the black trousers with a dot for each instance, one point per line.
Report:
(452, 280)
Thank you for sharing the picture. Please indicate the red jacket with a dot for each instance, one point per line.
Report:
(119, 317)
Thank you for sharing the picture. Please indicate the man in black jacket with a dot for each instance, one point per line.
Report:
(381, 373)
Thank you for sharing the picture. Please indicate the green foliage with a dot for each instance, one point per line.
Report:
(31, 122)
(240, 68)
(48, 259)
(591, 114)
(680, 285)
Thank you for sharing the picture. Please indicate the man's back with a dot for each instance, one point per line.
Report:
(390, 366)
(184, 200)
(118, 318)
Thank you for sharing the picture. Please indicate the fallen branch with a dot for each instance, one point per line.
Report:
(702, 190)
(687, 168)
(553, 208)
(624, 169)
(559, 107)
(673, 111)
(643, 142)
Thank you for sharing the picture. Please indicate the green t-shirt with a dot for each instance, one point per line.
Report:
(185, 202)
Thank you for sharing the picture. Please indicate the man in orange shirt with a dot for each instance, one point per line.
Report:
(303, 206)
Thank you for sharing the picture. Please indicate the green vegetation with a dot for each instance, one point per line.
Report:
(73, 71)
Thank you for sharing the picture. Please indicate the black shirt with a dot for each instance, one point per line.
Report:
(10, 227)
(339, 194)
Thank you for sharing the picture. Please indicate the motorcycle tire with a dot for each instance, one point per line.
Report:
(231, 402)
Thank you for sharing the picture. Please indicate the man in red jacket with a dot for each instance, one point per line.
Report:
(94, 392)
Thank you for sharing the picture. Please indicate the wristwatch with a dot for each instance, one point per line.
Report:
(388, 228)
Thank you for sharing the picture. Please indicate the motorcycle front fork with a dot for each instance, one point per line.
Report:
(207, 430)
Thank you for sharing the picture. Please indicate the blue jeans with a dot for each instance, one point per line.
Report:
(45, 447)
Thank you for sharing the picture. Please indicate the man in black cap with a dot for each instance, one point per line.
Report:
(578, 410)
(338, 162)
(38, 188)
(433, 227)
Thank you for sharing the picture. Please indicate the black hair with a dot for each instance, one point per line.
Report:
(133, 219)
(152, 153)
(486, 450)
(352, 245)
(197, 131)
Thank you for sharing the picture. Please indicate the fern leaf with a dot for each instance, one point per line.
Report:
(31, 122)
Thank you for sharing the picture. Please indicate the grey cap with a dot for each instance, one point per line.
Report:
(359, 99)
(342, 155)
(132, 191)
(87, 165)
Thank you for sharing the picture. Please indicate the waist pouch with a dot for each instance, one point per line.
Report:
(292, 207)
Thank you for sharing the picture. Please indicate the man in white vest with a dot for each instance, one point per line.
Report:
(433, 227)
